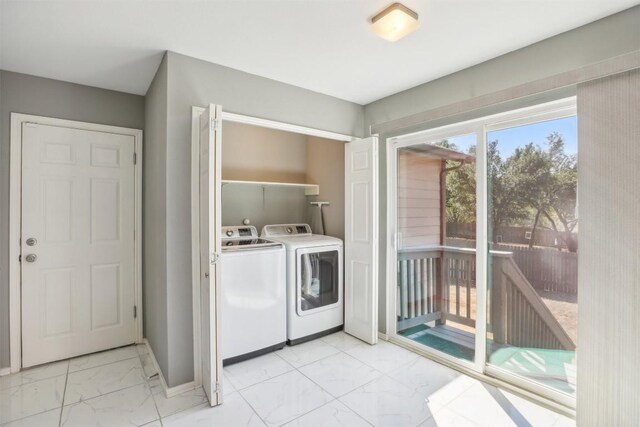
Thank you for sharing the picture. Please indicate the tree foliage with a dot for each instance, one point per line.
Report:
(533, 187)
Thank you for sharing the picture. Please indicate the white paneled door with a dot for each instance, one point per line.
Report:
(78, 287)
(361, 239)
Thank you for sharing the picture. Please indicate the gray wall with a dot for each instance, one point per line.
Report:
(154, 255)
(609, 37)
(609, 267)
(195, 82)
(325, 167)
(21, 93)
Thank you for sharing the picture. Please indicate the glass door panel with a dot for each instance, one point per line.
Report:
(436, 216)
(319, 284)
(532, 263)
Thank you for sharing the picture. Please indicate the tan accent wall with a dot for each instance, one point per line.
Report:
(608, 258)
(418, 199)
(325, 166)
(253, 153)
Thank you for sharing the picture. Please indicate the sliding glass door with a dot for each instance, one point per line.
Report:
(533, 236)
(436, 293)
(484, 231)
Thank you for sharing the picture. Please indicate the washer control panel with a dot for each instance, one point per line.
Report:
(286, 230)
(239, 232)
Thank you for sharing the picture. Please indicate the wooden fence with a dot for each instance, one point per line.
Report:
(510, 235)
(546, 269)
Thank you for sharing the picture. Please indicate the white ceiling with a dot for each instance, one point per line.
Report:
(322, 45)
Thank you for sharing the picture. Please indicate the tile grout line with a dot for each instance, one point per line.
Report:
(110, 392)
(104, 364)
(382, 374)
(34, 382)
(333, 398)
(326, 391)
(99, 396)
(155, 405)
(238, 390)
(248, 404)
(64, 393)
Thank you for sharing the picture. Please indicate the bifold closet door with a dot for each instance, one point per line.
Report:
(210, 223)
(361, 239)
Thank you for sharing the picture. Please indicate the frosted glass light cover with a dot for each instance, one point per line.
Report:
(395, 22)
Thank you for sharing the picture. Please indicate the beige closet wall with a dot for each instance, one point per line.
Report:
(325, 167)
(609, 253)
(253, 153)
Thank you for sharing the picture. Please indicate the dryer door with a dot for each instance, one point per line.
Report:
(319, 279)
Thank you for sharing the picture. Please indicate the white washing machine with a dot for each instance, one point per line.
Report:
(314, 281)
(254, 291)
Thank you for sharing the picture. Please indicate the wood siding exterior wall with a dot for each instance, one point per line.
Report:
(418, 199)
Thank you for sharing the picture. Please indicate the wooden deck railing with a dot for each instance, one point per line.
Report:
(438, 284)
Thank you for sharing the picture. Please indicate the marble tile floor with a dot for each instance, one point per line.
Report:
(333, 381)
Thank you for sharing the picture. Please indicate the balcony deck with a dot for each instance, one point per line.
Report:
(554, 368)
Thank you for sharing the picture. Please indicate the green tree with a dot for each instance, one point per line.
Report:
(528, 173)
(461, 188)
(562, 191)
(534, 186)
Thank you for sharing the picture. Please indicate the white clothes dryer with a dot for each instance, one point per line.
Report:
(314, 281)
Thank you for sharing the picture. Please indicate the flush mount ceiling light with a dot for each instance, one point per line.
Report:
(395, 22)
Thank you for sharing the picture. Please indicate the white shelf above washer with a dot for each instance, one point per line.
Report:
(309, 189)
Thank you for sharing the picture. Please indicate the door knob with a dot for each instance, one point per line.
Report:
(31, 258)
(31, 241)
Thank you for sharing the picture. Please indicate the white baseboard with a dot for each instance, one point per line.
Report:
(168, 391)
(5, 371)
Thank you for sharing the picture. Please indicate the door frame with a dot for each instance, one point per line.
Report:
(480, 126)
(195, 204)
(15, 221)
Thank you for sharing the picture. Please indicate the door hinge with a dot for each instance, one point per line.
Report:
(19, 258)
(216, 124)
(135, 158)
(135, 311)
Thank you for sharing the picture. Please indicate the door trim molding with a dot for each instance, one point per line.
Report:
(15, 220)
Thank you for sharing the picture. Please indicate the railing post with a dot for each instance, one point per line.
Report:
(440, 288)
(498, 301)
